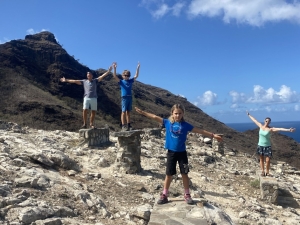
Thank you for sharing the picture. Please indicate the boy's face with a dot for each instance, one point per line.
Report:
(125, 76)
(177, 115)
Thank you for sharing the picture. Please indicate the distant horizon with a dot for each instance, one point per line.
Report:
(271, 121)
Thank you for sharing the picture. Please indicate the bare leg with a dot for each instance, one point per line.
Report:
(185, 180)
(84, 116)
(262, 162)
(268, 164)
(92, 117)
(123, 117)
(128, 116)
(167, 183)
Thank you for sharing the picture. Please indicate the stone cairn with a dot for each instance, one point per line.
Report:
(129, 151)
(269, 190)
(94, 137)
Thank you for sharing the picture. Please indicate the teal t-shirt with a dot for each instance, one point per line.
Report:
(264, 138)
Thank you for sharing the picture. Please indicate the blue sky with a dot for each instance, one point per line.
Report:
(226, 57)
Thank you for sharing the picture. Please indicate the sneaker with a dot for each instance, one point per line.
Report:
(163, 199)
(129, 128)
(124, 128)
(188, 199)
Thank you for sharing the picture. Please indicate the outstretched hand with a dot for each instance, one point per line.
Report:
(63, 79)
(292, 129)
(138, 66)
(114, 65)
(219, 138)
(138, 110)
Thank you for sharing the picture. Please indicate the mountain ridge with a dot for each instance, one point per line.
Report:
(30, 70)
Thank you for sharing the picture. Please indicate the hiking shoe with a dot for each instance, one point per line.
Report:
(163, 199)
(124, 128)
(129, 128)
(188, 199)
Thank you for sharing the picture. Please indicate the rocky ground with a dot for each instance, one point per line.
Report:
(46, 177)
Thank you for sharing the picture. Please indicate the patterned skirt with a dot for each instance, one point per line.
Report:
(264, 151)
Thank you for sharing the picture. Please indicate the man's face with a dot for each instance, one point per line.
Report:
(89, 76)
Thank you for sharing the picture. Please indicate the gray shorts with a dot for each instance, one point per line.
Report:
(90, 103)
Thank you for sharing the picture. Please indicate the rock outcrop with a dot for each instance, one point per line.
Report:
(47, 177)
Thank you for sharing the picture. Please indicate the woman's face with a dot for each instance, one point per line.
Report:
(177, 115)
(267, 121)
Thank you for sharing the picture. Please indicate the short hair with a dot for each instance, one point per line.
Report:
(177, 106)
(126, 72)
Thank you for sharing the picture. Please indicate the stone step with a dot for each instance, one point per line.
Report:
(178, 212)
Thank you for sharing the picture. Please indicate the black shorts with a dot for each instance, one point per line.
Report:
(173, 158)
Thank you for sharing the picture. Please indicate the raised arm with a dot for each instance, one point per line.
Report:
(149, 115)
(115, 72)
(105, 74)
(137, 71)
(64, 80)
(274, 129)
(206, 133)
(254, 120)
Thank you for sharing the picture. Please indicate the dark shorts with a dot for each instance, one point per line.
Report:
(264, 151)
(126, 103)
(173, 158)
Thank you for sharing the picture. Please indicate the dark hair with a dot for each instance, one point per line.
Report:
(268, 118)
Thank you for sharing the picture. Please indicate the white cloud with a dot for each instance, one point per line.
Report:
(237, 97)
(4, 40)
(208, 98)
(159, 8)
(284, 95)
(32, 31)
(266, 96)
(254, 12)
(177, 8)
(161, 11)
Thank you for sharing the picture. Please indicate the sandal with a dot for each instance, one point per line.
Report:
(83, 126)
(263, 174)
(268, 175)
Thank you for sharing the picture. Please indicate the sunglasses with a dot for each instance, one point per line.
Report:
(126, 75)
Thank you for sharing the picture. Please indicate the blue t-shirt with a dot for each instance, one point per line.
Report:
(126, 86)
(176, 135)
(90, 88)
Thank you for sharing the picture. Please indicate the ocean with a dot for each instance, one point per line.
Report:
(241, 127)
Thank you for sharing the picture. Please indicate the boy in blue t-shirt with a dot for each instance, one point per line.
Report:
(126, 87)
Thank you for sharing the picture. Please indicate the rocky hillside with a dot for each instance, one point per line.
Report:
(47, 178)
(33, 96)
